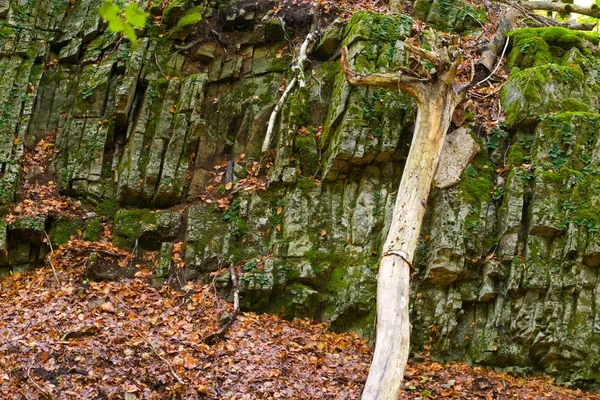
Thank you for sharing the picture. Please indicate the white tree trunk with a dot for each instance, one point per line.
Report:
(393, 281)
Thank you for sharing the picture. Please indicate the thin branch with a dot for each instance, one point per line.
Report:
(188, 46)
(320, 85)
(414, 86)
(236, 309)
(44, 394)
(161, 357)
(298, 67)
(275, 113)
(49, 256)
(159, 67)
(497, 64)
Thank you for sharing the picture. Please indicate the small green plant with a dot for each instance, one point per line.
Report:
(249, 266)
(472, 172)
(557, 154)
(498, 193)
(496, 136)
(87, 92)
(123, 17)
(237, 226)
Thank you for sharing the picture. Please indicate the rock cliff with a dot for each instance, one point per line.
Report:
(164, 141)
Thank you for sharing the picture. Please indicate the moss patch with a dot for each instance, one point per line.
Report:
(62, 229)
(526, 92)
(93, 230)
(128, 224)
(565, 168)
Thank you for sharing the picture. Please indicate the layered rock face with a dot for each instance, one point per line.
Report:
(165, 142)
(510, 267)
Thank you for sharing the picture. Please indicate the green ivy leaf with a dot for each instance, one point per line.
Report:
(116, 24)
(129, 33)
(135, 16)
(109, 11)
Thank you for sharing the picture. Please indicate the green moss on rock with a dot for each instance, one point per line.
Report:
(186, 23)
(128, 224)
(539, 90)
(93, 230)
(62, 229)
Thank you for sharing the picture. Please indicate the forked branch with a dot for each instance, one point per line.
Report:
(414, 86)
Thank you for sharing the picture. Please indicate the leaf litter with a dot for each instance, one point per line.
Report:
(130, 340)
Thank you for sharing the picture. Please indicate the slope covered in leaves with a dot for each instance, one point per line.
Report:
(77, 339)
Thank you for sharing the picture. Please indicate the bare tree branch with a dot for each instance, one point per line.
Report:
(177, 377)
(430, 56)
(275, 113)
(415, 87)
(561, 7)
(44, 394)
(236, 309)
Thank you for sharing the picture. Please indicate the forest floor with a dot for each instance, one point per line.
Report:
(64, 337)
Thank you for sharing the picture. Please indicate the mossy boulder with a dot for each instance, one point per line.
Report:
(62, 229)
(329, 43)
(128, 226)
(93, 230)
(535, 91)
(174, 9)
(28, 228)
(186, 23)
(162, 226)
(450, 15)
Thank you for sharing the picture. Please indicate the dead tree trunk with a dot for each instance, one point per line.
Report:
(561, 7)
(436, 99)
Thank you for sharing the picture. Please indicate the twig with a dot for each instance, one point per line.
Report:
(275, 113)
(320, 85)
(159, 67)
(134, 252)
(236, 309)
(49, 256)
(161, 357)
(497, 64)
(37, 386)
(188, 46)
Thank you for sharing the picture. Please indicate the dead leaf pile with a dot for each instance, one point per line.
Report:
(130, 340)
(221, 186)
(431, 380)
(38, 190)
(105, 339)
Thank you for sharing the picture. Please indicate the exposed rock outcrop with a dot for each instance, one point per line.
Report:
(151, 136)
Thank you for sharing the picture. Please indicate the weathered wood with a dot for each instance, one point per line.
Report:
(436, 100)
(490, 52)
(561, 7)
(527, 9)
(393, 280)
